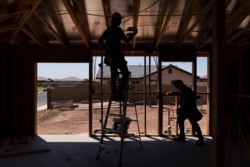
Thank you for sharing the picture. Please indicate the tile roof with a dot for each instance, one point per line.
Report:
(137, 71)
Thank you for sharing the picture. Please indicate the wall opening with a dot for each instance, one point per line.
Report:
(59, 109)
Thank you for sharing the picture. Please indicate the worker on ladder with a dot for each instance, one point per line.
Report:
(110, 40)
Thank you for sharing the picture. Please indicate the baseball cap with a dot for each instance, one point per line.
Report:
(116, 15)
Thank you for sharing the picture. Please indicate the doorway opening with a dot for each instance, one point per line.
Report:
(62, 98)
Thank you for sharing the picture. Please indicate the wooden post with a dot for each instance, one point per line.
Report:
(218, 83)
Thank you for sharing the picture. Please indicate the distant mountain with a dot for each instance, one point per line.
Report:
(71, 79)
(39, 78)
(42, 79)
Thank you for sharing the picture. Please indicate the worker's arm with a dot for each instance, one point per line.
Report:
(129, 36)
(102, 42)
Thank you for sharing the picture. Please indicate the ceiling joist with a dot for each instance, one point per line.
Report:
(205, 11)
(50, 28)
(32, 36)
(25, 16)
(37, 31)
(137, 4)
(236, 18)
(206, 31)
(186, 18)
(160, 19)
(61, 34)
(72, 13)
(81, 15)
(159, 22)
(165, 24)
(107, 11)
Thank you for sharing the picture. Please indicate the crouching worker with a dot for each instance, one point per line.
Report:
(188, 110)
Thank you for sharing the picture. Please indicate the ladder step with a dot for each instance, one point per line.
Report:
(110, 130)
(131, 104)
(108, 146)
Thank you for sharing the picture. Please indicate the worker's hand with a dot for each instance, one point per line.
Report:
(130, 35)
(133, 29)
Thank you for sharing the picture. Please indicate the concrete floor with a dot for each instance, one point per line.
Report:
(81, 150)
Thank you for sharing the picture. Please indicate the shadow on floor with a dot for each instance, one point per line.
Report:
(81, 150)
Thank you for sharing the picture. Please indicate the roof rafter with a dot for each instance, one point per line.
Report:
(205, 10)
(236, 18)
(137, 4)
(164, 27)
(186, 18)
(238, 34)
(25, 17)
(160, 19)
(107, 11)
(58, 25)
(50, 28)
(81, 10)
(72, 12)
(32, 36)
(37, 31)
(202, 39)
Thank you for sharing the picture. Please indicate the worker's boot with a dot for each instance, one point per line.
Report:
(181, 138)
(200, 142)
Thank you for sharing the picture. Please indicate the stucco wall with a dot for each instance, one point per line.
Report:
(80, 93)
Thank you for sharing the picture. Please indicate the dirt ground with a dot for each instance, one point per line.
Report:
(76, 121)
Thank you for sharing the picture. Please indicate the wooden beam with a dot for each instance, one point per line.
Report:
(202, 38)
(238, 34)
(50, 28)
(204, 13)
(137, 4)
(107, 11)
(219, 85)
(186, 18)
(203, 41)
(164, 27)
(236, 18)
(82, 17)
(72, 13)
(25, 17)
(160, 19)
(35, 27)
(32, 36)
(58, 25)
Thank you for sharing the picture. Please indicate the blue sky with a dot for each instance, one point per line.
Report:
(81, 70)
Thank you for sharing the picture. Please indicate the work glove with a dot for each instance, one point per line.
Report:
(133, 29)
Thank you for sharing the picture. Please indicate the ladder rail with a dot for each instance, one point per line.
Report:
(122, 132)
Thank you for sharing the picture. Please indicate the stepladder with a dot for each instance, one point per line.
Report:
(116, 124)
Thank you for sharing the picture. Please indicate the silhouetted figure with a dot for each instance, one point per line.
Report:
(188, 110)
(111, 42)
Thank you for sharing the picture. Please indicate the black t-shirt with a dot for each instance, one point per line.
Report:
(189, 96)
(113, 36)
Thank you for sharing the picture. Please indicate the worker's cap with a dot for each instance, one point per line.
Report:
(116, 16)
(177, 82)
